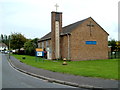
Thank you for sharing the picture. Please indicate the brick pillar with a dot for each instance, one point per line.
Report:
(56, 29)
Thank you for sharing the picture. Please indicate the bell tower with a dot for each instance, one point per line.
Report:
(56, 29)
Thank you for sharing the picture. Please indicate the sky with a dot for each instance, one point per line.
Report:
(32, 18)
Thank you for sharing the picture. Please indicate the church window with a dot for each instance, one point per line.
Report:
(38, 45)
(47, 44)
(42, 45)
(91, 42)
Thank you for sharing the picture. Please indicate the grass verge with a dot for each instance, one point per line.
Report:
(107, 69)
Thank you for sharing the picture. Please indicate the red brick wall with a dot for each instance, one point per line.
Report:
(64, 47)
(81, 51)
(53, 20)
(78, 48)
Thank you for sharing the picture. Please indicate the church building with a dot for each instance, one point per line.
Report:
(82, 40)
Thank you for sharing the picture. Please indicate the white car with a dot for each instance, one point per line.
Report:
(6, 52)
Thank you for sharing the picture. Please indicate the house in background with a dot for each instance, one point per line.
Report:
(3, 47)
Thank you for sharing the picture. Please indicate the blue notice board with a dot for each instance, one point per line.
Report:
(39, 53)
(91, 42)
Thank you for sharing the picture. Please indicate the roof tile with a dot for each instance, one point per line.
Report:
(66, 30)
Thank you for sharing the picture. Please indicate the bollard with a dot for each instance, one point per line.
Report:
(64, 63)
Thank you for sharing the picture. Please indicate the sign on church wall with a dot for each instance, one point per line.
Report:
(39, 52)
(57, 39)
(39, 49)
(91, 42)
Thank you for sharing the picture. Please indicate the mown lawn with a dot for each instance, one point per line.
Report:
(107, 69)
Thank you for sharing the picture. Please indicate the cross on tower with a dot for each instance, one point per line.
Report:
(56, 7)
(90, 25)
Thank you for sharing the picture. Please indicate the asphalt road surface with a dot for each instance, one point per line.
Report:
(12, 78)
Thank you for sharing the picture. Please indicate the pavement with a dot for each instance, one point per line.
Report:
(67, 79)
(14, 80)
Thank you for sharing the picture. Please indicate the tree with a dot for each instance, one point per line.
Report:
(112, 43)
(17, 40)
(35, 42)
(30, 46)
(118, 45)
(1, 38)
(4, 39)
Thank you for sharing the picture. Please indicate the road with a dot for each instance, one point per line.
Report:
(12, 78)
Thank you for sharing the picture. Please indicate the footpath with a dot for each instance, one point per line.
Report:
(67, 79)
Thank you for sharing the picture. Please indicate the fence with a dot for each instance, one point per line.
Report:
(114, 55)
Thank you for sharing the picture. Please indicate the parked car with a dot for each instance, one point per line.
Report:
(6, 52)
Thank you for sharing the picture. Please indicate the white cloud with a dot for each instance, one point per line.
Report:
(36, 14)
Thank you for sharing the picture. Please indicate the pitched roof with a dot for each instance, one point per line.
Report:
(68, 29)
(3, 45)
(65, 30)
(47, 36)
